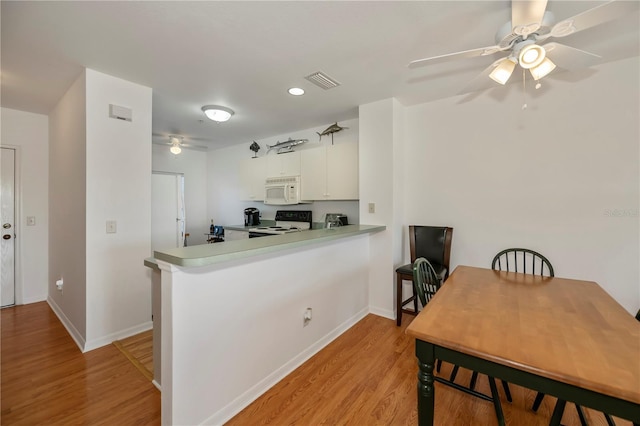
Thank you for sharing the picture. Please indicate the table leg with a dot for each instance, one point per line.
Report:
(426, 391)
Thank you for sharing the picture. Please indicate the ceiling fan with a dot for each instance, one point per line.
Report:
(176, 143)
(522, 37)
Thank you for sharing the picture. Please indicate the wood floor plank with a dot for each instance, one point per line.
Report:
(46, 380)
(367, 376)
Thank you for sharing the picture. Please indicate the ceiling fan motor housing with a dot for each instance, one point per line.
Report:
(506, 37)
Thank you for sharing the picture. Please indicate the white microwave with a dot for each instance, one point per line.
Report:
(281, 191)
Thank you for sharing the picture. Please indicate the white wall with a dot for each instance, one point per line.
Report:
(381, 166)
(225, 205)
(206, 379)
(67, 209)
(118, 180)
(193, 164)
(29, 133)
(548, 178)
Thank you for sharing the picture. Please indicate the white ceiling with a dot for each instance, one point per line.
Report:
(245, 55)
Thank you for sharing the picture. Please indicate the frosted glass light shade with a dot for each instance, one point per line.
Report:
(217, 113)
(175, 149)
(531, 56)
(503, 71)
(543, 69)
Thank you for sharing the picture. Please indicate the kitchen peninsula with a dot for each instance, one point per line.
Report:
(232, 314)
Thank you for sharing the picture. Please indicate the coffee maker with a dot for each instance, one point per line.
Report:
(251, 216)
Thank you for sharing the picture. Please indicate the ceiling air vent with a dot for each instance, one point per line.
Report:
(322, 80)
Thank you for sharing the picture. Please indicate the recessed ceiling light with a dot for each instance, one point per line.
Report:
(296, 91)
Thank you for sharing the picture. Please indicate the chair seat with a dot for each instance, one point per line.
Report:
(408, 270)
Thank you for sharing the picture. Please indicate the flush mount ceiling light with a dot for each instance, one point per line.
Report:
(296, 91)
(217, 113)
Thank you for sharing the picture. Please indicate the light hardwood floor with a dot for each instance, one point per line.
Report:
(46, 380)
(365, 377)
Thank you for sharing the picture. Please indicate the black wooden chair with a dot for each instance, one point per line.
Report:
(527, 262)
(434, 244)
(426, 282)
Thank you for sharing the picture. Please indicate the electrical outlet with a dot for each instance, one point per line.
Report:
(306, 317)
(372, 207)
(60, 284)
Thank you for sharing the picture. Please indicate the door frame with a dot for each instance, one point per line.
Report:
(180, 238)
(17, 263)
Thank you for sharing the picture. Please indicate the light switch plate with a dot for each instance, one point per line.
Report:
(31, 221)
(372, 207)
(111, 227)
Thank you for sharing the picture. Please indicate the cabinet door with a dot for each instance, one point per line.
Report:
(253, 172)
(342, 171)
(287, 164)
(313, 174)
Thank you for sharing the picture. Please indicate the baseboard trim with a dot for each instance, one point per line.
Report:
(234, 407)
(37, 299)
(385, 313)
(157, 385)
(119, 335)
(73, 332)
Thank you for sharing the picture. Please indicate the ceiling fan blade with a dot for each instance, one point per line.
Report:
(526, 15)
(570, 58)
(482, 81)
(592, 17)
(482, 51)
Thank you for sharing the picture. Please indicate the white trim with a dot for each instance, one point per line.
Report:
(36, 299)
(238, 404)
(122, 334)
(156, 384)
(385, 313)
(17, 223)
(73, 332)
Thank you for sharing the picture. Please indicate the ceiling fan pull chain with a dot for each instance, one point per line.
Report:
(524, 91)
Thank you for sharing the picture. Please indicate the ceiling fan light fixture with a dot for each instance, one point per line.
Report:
(217, 113)
(503, 71)
(545, 67)
(531, 56)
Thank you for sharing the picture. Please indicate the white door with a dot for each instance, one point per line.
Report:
(167, 211)
(7, 213)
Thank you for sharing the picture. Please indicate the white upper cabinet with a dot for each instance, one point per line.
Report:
(287, 164)
(330, 173)
(253, 172)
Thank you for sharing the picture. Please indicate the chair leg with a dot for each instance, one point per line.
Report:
(507, 391)
(415, 299)
(474, 379)
(438, 365)
(557, 413)
(583, 420)
(610, 421)
(538, 401)
(398, 299)
(496, 401)
(454, 372)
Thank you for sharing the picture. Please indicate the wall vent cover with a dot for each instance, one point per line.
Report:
(322, 80)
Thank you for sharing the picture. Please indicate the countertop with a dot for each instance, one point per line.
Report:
(208, 254)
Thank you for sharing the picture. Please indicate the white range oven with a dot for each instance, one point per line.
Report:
(287, 221)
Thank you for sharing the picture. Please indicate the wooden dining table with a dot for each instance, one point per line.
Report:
(566, 338)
